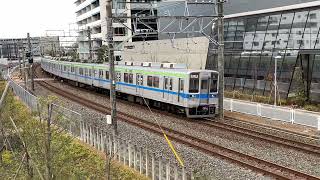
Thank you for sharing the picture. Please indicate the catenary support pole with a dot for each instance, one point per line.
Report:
(90, 44)
(30, 64)
(111, 64)
(221, 57)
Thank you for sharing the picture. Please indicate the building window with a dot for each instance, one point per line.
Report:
(256, 43)
(300, 42)
(313, 16)
(119, 31)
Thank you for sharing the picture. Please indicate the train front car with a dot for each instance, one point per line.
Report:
(203, 94)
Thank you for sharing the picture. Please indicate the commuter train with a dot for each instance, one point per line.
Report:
(166, 86)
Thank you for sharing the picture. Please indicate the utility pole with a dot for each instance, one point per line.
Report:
(90, 44)
(30, 62)
(275, 80)
(111, 65)
(24, 67)
(18, 57)
(221, 57)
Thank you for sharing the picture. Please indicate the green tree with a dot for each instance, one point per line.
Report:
(102, 54)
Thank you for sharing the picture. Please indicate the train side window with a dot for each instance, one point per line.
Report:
(100, 73)
(156, 82)
(107, 74)
(194, 83)
(171, 84)
(90, 72)
(72, 69)
(80, 71)
(131, 78)
(149, 81)
(126, 77)
(65, 68)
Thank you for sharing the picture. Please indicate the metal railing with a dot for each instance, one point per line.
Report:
(141, 159)
(294, 116)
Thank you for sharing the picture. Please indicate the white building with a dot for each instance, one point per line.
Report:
(92, 13)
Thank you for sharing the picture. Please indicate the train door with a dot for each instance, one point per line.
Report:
(204, 90)
(167, 89)
(139, 84)
(181, 91)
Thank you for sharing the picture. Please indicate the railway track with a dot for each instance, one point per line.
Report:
(289, 143)
(244, 160)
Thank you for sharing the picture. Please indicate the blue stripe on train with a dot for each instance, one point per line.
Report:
(183, 95)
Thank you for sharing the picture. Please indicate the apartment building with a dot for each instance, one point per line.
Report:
(91, 15)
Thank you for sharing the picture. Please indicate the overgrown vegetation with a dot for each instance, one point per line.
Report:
(24, 152)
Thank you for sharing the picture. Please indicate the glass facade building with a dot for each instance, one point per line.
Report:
(281, 40)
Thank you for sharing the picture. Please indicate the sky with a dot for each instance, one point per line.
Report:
(18, 17)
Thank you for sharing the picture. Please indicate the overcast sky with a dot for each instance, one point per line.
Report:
(18, 17)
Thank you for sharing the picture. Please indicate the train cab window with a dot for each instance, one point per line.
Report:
(214, 82)
(100, 74)
(131, 78)
(107, 75)
(149, 81)
(194, 83)
(156, 82)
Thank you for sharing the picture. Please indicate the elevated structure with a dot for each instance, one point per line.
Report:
(10, 48)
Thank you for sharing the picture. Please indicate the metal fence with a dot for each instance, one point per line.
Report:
(134, 156)
(26, 97)
(141, 159)
(306, 118)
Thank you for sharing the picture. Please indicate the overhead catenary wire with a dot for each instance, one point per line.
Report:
(165, 135)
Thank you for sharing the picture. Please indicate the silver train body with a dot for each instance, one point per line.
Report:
(192, 92)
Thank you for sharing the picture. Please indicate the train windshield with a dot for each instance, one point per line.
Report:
(214, 82)
(194, 83)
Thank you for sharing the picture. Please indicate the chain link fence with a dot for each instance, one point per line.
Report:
(297, 116)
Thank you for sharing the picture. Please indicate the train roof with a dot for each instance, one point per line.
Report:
(156, 69)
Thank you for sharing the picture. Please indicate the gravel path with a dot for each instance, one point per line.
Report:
(197, 161)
